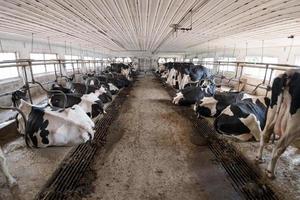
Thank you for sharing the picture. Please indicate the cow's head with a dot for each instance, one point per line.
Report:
(126, 73)
(207, 107)
(87, 126)
(92, 105)
(26, 109)
(177, 98)
(113, 88)
(18, 95)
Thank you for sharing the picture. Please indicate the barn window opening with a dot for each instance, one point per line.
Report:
(8, 72)
(259, 73)
(208, 62)
(89, 65)
(98, 64)
(227, 67)
(106, 62)
(297, 60)
(195, 61)
(41, 66)
(73, 59)
(187, 60)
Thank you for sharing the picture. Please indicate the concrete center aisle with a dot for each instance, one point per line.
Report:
(150, 154)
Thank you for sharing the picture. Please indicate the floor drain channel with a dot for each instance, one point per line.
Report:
(245, 179)
(66, 177)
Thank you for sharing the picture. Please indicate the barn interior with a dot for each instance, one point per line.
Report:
(144, 145)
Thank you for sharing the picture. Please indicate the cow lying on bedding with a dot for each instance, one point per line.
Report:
(214, 105)
(49, 127)
(192, 94)
(243, 119)
(237, 114)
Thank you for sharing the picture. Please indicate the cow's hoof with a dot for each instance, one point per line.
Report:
(12, 182)
(270, 175)
(259, 160)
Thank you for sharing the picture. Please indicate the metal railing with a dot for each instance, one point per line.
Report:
(265, 82)
(25, 68)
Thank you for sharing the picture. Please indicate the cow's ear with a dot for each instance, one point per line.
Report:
(267, 101)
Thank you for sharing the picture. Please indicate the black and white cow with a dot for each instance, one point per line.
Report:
(91, 103)
(103, 80)
(113, 89)
(79, 88)
(243, 119)
(178, 75)
(190, 95)
(192, 74)
(119, 81)
(123, 69)
(283, 117)
(214, 105)
(48, 127)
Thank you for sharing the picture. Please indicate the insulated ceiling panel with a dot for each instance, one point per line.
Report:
(144, 25)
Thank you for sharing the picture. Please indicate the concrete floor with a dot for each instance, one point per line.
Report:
(151, 154)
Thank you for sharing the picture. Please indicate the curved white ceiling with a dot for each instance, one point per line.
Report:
(144, 25)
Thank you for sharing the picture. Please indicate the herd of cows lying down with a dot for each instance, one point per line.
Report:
(239, 114)
(68, 119)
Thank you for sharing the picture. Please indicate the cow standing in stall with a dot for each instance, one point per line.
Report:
(283, 117)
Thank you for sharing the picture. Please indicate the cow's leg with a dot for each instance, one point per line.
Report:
(266, 134)
(279, 149)
(264, 139)
(10, 179)
(177, 98)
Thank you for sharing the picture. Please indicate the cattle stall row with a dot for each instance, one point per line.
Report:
(237, 114)
(68, 116)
